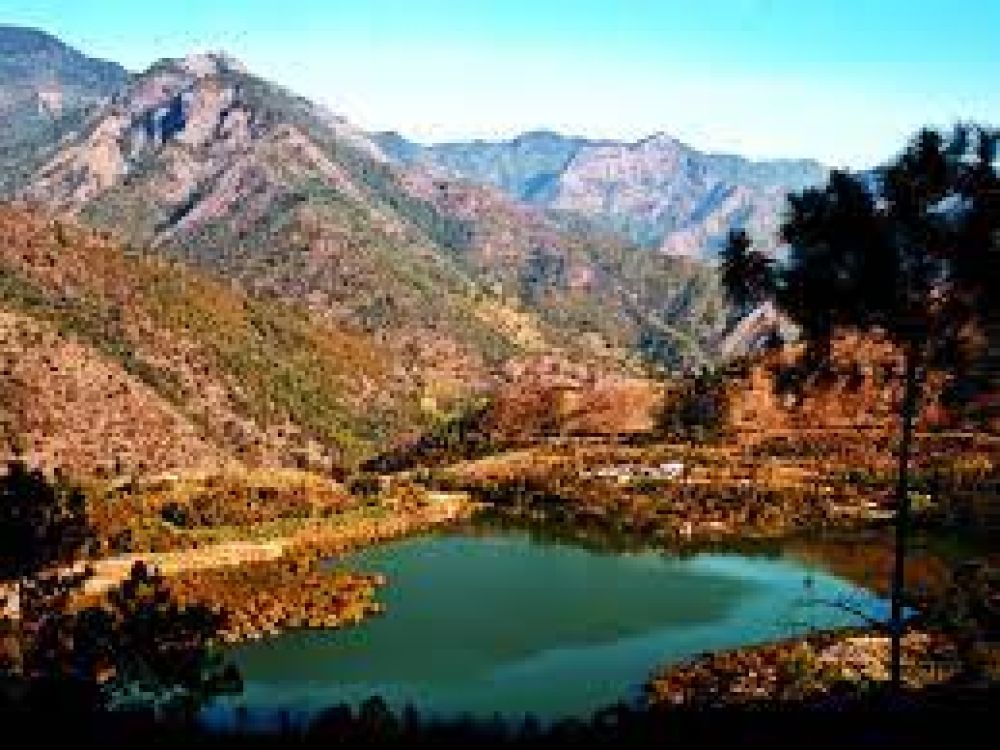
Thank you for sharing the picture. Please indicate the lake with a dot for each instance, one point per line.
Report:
(499, 621)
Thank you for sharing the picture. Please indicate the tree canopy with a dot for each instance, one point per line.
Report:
(42, 523)
(139, 647)
(910, 248)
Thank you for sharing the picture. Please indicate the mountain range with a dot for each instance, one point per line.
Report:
(347, 288)
(657, 191)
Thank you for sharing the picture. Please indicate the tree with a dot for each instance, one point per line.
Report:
(696, 411)
(144, 649)
(43, 531)
(140, 647)
(910, 250)
(42, 523)
(746, 275)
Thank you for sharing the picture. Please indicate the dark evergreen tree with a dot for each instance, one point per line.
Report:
(43, 532)
(911, 251)
(145, 650)
(746, 275)
(139, 648)
(42, 522)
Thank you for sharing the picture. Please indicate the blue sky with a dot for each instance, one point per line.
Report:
(845, 81)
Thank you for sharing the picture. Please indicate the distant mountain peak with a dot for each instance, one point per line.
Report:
(660, 138)
(198, 136)
(23, 39)
(206, 64)
(46, 89)
(544, 135)
(28, 54)
(203, 64)
(657, 190)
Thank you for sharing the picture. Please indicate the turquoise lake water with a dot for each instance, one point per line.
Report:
(501, 622)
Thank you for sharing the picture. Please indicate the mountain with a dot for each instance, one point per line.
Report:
(45, 89)
(658, 191)
(527, 168)
(580, 279)
(244, 277)
(220, 169)
(34, 62)
(119, 361)
(206, 163)
(113, 358)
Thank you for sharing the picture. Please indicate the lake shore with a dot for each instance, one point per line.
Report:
(260, 562)
(265, 586)
(801, 669)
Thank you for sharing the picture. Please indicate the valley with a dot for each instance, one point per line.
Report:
(480, 428)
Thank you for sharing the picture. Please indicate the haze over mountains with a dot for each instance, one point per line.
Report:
(348, 288)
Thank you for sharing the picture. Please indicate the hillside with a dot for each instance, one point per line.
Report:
(658, 191)
(46, 88)
(586, 283)
(117, 360)
(213, 166)
(209, 164)
(854, 398)
(114, 358)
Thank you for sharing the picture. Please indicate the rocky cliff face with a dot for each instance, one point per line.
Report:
(195, 137)
(43, 79)
(45, 89)
(208, 163)
(657, 191)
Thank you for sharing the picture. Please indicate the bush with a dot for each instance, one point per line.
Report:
(175, 515)
(365, 485)
(697, 412)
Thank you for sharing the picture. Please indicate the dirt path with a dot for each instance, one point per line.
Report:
(444, 507)
(111, 571)
(331, 536)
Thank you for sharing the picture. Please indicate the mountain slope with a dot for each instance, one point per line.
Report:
(214, 166)
(657, 191)
(586, 283)
(45, 89)
(118, 361)
(63, 404)
(209, 164)
(109, 355)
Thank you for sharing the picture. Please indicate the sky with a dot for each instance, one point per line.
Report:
(843, 81)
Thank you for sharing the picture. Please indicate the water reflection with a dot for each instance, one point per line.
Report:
(497, 619)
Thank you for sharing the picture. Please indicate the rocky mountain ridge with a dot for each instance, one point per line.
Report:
(659, 192)
(212, 165)
(45, 89)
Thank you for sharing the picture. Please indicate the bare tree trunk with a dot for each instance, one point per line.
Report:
(896, 622)
(15, 609)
